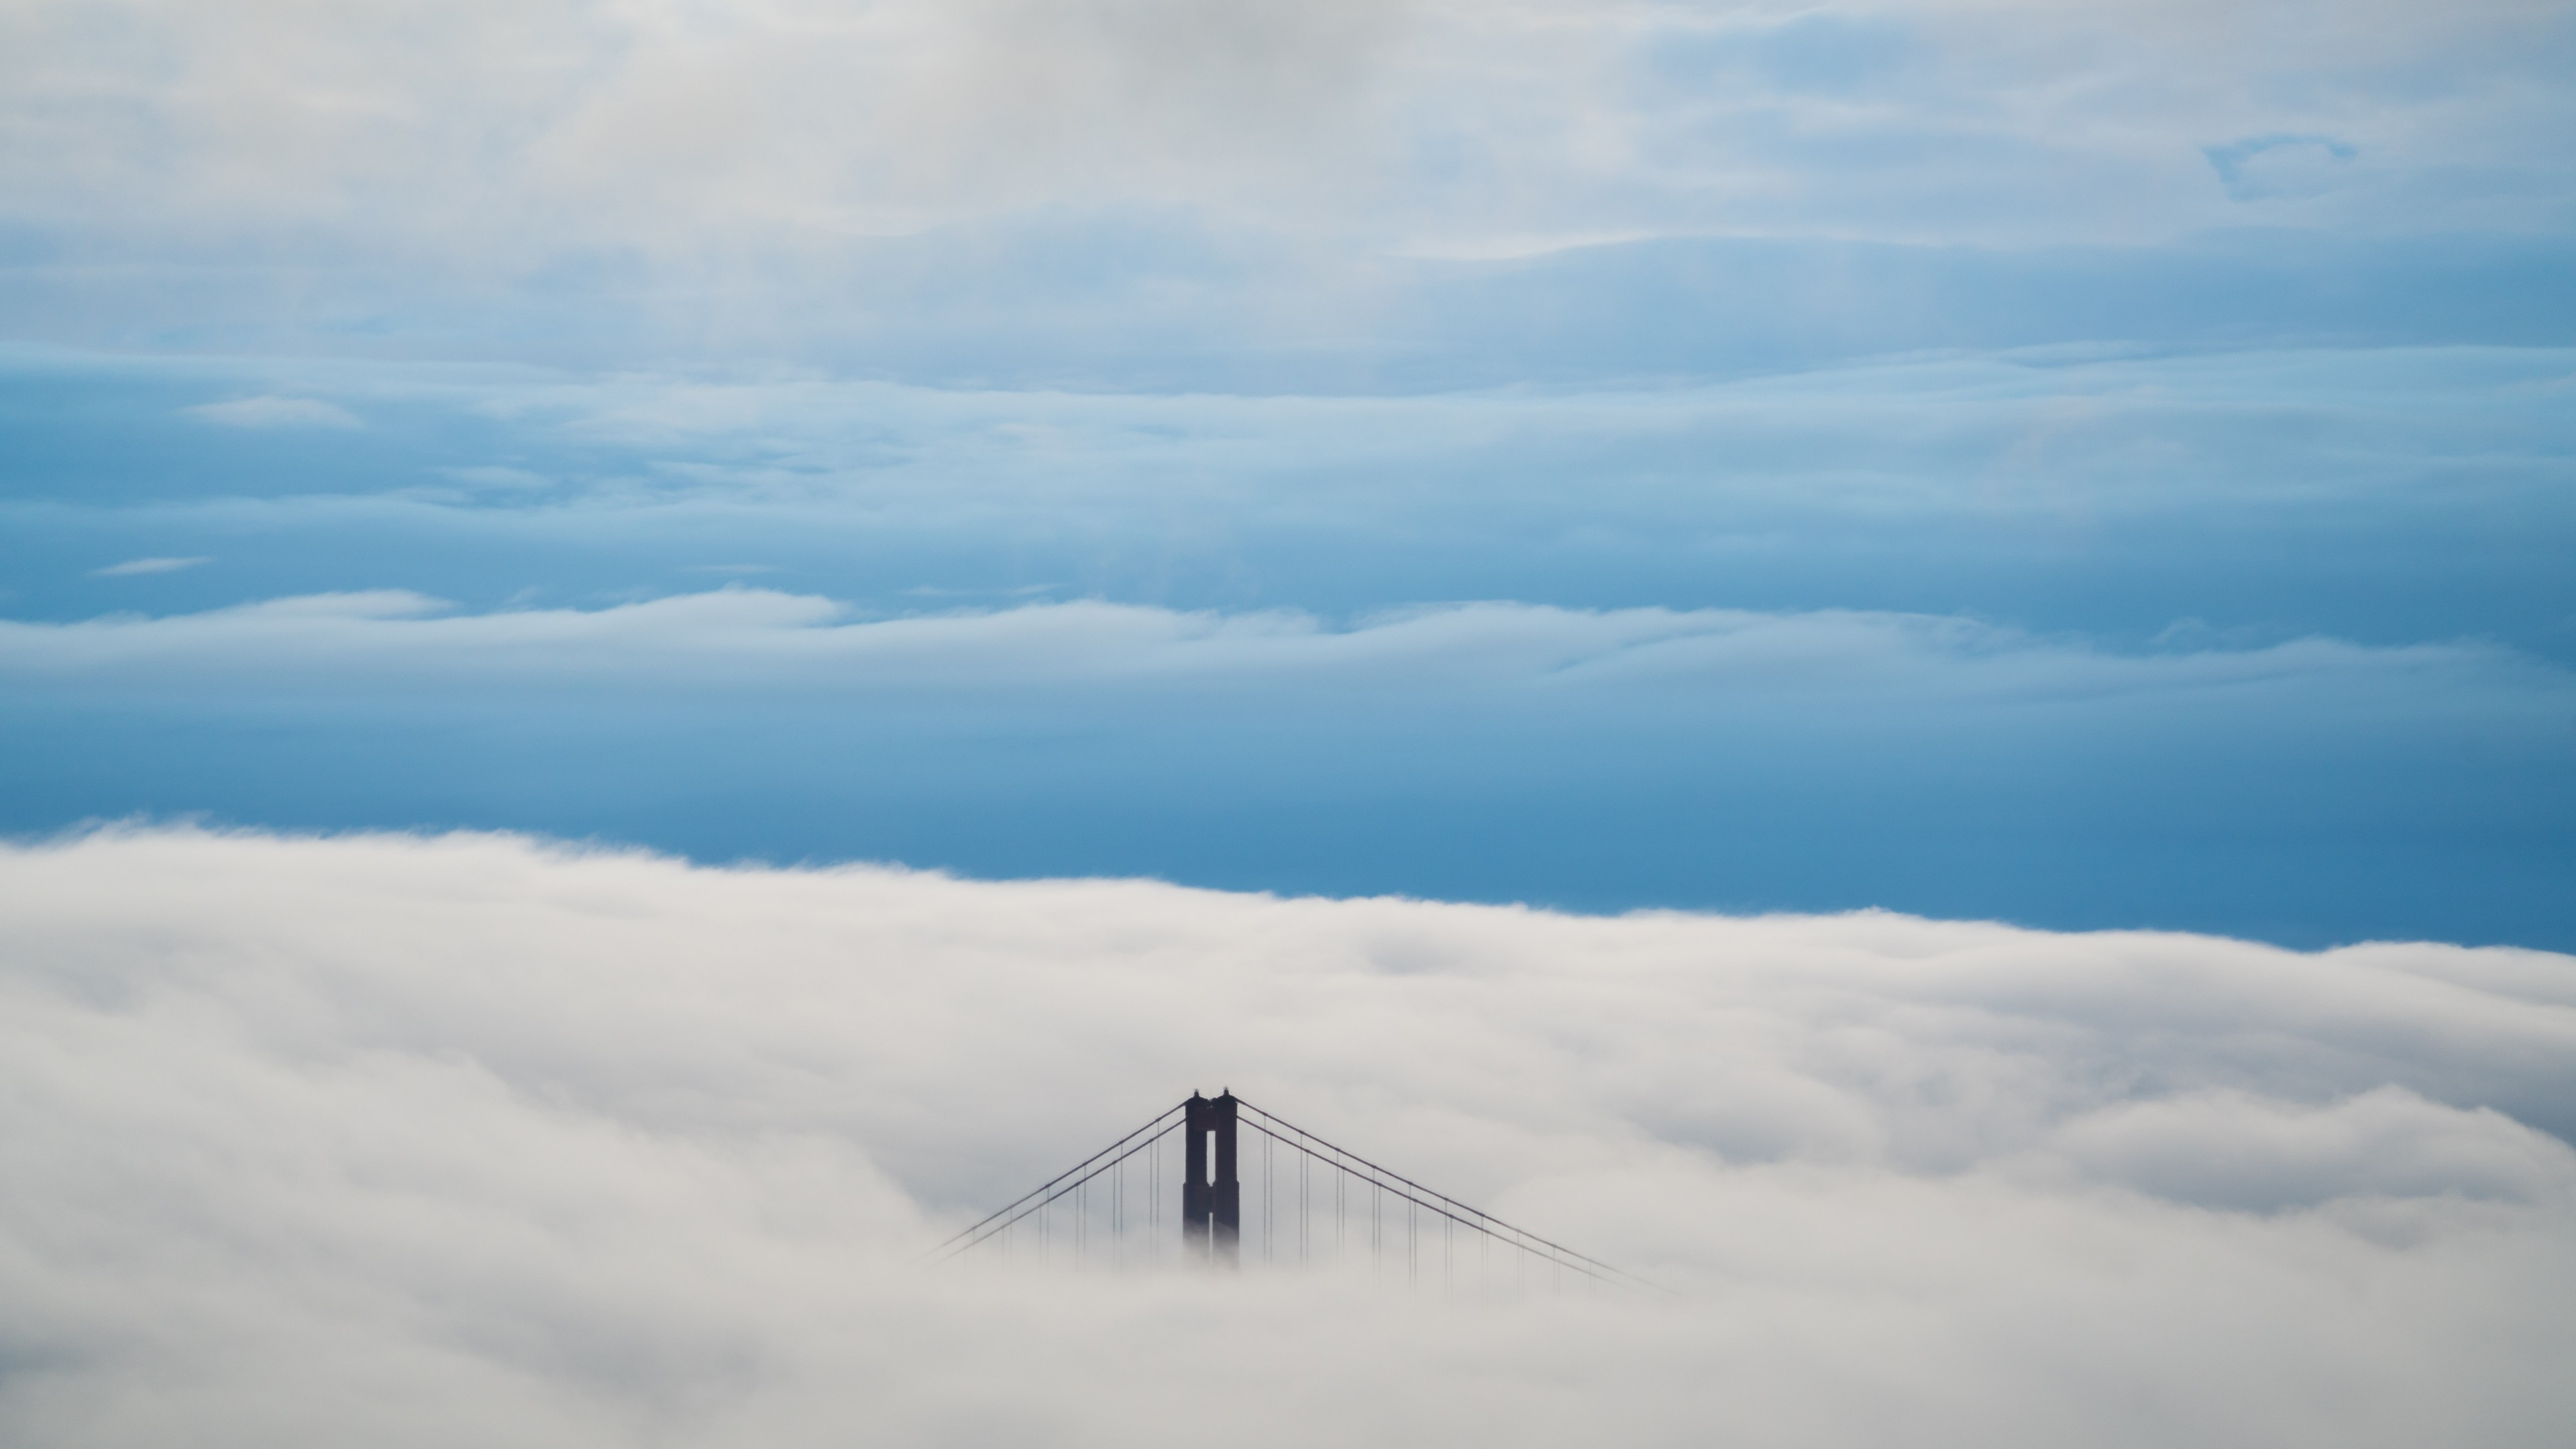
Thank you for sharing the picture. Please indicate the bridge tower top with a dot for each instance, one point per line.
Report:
(1211, 1190)
(1386, 1211)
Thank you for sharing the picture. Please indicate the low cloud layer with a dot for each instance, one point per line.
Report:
(1498, 751)
(780, 643)
(2090, 492)
(410, 1140)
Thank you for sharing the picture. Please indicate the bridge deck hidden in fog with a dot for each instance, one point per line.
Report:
(1314, 1205)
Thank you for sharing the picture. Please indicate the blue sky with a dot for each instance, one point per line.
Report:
(2093, 467)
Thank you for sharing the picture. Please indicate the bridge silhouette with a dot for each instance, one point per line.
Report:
(1332, 1208)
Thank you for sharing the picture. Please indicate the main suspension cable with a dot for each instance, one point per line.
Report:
(1498, 1227)
(979, 1225)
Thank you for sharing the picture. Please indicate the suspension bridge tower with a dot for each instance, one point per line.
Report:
(1353, 1210)
(1211, 1194)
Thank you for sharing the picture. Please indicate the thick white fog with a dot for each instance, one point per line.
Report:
(407, 1141)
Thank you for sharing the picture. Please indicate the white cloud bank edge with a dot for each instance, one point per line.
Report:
(411, 1139)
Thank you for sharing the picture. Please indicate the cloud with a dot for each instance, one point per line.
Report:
(135, 566)
(2272, 168)
(492, 476)
(2172, 486)
(275, 413)
(815, 118)
(584, 1147)
(2225, 1149)
(724, 182)
(2306, 789)
(763, 639)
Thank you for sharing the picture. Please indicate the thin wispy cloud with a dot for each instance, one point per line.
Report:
(275, 413)
(136, 566)
(495, 476)
(803, 642)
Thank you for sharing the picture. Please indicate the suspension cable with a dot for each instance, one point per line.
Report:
(1274, 1129)
(1471, 1212)
(1572, 1261)
(1059, 1177)
(954, 1246)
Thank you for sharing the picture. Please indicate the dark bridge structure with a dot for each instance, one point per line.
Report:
(1328, 1208)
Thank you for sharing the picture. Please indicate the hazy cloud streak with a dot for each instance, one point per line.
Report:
(275, 412)
(799, 643)
(136, 566)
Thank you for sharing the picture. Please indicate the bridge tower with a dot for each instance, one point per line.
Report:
(1211, 1196)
